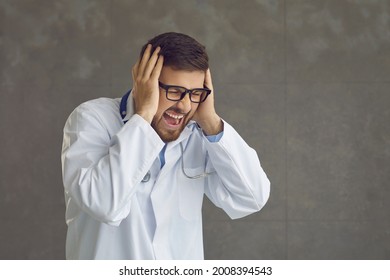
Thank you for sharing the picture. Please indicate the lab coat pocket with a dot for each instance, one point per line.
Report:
(191, 194)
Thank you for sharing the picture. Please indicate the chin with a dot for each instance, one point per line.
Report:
(169, 138)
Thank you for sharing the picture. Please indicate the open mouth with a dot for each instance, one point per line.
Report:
(172, 119)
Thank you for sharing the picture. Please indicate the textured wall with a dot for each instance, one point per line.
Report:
(305, 82)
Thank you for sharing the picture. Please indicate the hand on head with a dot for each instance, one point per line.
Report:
(145, 83)
(205, 114)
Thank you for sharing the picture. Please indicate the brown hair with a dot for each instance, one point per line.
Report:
(180, 51)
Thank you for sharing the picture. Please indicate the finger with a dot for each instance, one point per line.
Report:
(208, 81)
(157, 70)
(144, 59)
(134, 71)
(151, 63)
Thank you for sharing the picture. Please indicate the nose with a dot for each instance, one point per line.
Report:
(185, 104)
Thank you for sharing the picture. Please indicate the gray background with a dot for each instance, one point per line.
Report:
(305, 82)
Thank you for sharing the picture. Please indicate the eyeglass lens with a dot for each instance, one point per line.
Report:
(175, 94)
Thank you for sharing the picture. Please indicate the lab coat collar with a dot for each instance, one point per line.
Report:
(187, 131)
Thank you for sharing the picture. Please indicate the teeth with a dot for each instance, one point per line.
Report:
(174, 116)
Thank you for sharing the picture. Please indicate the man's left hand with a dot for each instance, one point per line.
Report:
(205, 114)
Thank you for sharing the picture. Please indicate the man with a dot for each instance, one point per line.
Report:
(135, 169)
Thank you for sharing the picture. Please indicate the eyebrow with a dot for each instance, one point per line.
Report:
(169, 85)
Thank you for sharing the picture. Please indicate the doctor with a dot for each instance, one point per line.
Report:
(135, 169)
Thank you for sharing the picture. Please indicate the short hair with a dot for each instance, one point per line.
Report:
(180, 51)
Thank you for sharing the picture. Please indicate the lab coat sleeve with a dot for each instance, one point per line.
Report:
(239, 186)
(100, 171)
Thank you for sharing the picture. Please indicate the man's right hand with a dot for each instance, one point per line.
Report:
(145, 83)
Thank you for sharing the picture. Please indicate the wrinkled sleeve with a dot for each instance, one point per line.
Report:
(100, 171)
(239, 185)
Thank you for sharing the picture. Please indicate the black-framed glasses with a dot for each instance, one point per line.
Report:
(177, 93)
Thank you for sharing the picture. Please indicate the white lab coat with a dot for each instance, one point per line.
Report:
(111, 214)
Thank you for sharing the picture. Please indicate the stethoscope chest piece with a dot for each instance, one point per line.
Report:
(146, 177)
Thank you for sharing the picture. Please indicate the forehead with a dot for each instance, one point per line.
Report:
(188, 79)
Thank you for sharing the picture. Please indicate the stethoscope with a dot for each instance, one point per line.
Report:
(123, 112)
